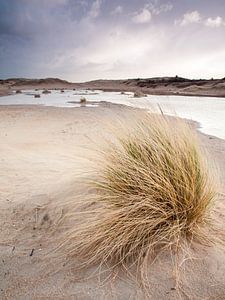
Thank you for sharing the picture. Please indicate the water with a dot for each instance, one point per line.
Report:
(208, 111)
(56, 98)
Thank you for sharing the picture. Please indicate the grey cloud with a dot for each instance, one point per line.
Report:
(156, 7)
(84, 39)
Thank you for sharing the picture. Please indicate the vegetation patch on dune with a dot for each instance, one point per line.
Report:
(153, 191)
(83, 100)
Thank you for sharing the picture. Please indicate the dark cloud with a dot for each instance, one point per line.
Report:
(85, 39)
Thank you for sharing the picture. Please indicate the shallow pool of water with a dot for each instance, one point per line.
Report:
(208, 111)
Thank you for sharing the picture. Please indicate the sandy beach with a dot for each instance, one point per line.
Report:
(112, 150)
(44, 153)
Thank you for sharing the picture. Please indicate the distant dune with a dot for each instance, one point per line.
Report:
(165, 86)
(25, 81)
(155, 86)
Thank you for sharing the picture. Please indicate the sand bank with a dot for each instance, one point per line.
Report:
(43, 153)
(150, 86)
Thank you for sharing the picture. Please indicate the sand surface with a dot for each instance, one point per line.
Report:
(151, 86)
(43, 159)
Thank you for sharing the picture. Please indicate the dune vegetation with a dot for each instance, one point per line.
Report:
(83, 100)
(153, 191)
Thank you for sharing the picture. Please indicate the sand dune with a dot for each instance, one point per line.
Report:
(153, 86)
(43, 160)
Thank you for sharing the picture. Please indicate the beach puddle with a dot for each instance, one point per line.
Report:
(208, 111)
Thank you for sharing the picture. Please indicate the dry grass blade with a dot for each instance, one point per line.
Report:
(153, 191)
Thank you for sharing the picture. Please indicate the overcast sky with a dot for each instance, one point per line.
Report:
(80, 40)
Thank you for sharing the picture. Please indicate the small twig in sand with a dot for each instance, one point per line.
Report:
(160, 109)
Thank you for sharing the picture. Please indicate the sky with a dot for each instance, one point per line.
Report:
(81, 40)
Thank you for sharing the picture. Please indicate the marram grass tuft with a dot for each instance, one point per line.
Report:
(153, 190)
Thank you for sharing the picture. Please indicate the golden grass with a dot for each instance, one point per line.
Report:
(153, 191)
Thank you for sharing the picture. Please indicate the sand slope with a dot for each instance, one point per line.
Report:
(43, 160)
(152, 86)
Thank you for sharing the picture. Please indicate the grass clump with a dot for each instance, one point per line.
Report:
(139, 94)
(45, 91)
(153, 191)
(83, 100)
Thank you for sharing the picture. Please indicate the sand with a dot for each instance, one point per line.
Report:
(43, 160)
(150, 86)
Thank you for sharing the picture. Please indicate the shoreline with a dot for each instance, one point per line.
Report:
(165, 93)
(196, 123)
(7, 92)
